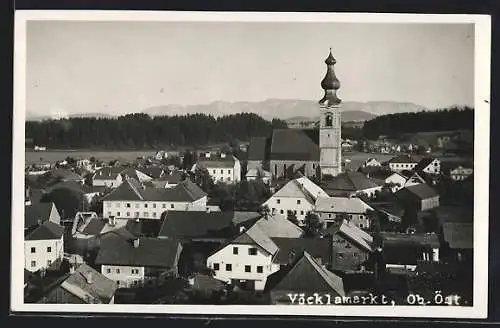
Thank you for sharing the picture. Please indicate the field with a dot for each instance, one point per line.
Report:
(52, 156)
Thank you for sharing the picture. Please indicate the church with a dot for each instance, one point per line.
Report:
(313, 152)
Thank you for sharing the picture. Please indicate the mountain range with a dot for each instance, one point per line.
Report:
(284, 109)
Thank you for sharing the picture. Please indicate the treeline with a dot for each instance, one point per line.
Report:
(455, 118)
(140, 131)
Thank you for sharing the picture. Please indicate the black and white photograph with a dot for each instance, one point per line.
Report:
(217, 163)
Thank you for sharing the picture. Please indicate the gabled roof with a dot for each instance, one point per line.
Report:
(459, 235)
(301, 187)
(107, 173)
(215, 161)
(294, 144)
(93, 227)
(37, 212)
(88, 285)
(288, 247)
(151, 252)
(47, 231)
(258, 150)
(402, 159)
(132, 190)
(197, 224)
(279, 226)
(152, 171)
(341, 205)
(420, 191)
(255, 236)
(350, 181)
(424, 162)
(352, 233)
(305, 275)
(131, 172)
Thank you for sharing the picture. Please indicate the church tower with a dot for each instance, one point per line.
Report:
(330, 123)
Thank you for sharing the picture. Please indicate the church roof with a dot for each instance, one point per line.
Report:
(295, 144)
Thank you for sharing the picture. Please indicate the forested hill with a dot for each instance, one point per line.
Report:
(456, 118)
(137, 131)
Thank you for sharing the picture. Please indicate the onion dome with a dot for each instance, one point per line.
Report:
(330, 83)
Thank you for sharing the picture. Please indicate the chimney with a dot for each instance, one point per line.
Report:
(136, 243)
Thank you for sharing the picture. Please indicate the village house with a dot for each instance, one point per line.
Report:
(351, 246)
(404, 251)
(352, 184)
(372, 162)
(428, 165)
(168, 180)
(297, 197)
(414, 178)
(419, 197)
(401, 163)
(82, 285)
(258, 173)
(460, 173)
(396, 181)
(221, 168)
(290, 281)
(133, 200)
(44, 247)
(107, 177)
(138, 261)
(332, 209)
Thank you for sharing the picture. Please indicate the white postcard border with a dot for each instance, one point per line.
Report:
(481, 165)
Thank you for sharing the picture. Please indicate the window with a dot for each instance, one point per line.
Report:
(216, 266)
(252, 251)
(49, 249)
(281, 211)
(154, 214)
(49, 262)
(228, 178)
(260, 269)
(330, 215)
(221, 171)
(228, 171)
(229, 267)
(33, 250)
(235, 250)
(135, 282)
(117, 213)
(164, 205)
(275, 169)
(128, 213)
(135, 271)
(108, 270)
(146, 205)
(278, 201)
(33, 264)
(171, 205)
(298, 201)
(154, 205)
(248, 268)
(128, 205)
(214, 171)
(350, 216)
(295, 212)
(137, 214)
(361, 225)
(301, 212)
(117, 270)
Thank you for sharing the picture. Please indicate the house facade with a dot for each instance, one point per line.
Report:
(401, 163)
(297, 196)
(222, 168)
(332, 209)
(396, 181)
(133, 200)
(43, 247)
(460, 173)
(420, 197)
(107, 177)
(429, 165)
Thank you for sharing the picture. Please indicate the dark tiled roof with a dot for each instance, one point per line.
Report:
(350, 181)
(94, 227)
(402, 159)
(76, 186)
(305, 275)
(151, 252)
(458, 235)
(107, 173)
(421, 191)
(216, 161)
(258, 150)
(48, 230)
(294, 144)
(316, 247)
(145, 227)
(36, 212)
(153, 171)
(131, 189)
(172, 177)
(197, 224)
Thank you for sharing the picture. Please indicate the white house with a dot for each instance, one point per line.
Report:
(333, 209)
(138, 261)
(429, 165)
(396, 180)
(43, 247)
(107, 177)
(297, 196)
(133, 200)
(460, 173)
(402, 163)
(246, 261)
(222, 167)
(372, 162)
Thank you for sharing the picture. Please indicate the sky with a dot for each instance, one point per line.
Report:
(123, 67)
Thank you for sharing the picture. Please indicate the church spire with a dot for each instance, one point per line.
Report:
(330, 83)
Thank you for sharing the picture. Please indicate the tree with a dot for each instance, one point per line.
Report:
(312, 225)
(203, 179)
